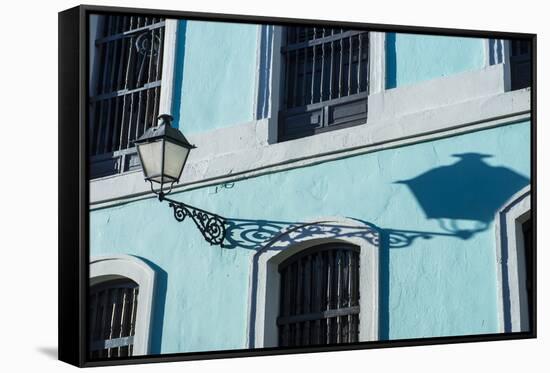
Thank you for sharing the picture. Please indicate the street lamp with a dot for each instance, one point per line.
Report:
(163, 152)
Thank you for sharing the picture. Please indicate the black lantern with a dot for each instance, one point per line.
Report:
(163, 151)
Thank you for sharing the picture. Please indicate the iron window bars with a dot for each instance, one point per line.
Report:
(320, 296)
(520, 64)
(325, 80)
(127, 72)
(113, 307)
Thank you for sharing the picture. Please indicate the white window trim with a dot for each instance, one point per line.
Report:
(106, 268)
(264, 60)
(168, 66)
(274, 83)
(510, 255)
(497, 51)
(270, 37)
(265, 278)
(377, 62)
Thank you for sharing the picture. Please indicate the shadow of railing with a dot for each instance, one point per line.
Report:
(273, 235)
(256, 234)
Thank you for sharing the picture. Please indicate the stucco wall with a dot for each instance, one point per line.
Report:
(215, 73)
(215, 84)
(414, 58)
(445, 285)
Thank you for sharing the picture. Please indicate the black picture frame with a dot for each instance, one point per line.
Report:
(74, 188)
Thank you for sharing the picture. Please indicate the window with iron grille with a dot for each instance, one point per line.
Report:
(125, 86)
(319, 301)
(325, 80)
(520, 64)
(113, 307)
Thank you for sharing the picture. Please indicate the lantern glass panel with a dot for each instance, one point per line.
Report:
(175, 157)
(151, 159)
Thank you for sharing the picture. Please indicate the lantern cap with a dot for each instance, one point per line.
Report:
(164, 130)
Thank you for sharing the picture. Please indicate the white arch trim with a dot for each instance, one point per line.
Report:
(106, 268)
(511, 277)
(265, 278)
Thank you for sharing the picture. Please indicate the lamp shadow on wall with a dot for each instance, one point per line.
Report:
(469, 191)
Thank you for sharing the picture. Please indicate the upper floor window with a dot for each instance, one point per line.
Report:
(126, 70)
(113, 306)
(520, 63)
(319, 301)
(325, 82)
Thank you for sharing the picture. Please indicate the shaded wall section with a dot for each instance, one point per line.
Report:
(414, 58)
(216, 86)
(441, 286)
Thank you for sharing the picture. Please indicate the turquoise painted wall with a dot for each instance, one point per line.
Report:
(441, 286)
(216, 79)
(414, 58)
(216, 62)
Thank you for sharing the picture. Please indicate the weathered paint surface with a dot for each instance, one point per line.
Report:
(445, 285)
(218, 62)
(414, 58)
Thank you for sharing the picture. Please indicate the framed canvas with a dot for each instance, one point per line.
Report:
(237, 186)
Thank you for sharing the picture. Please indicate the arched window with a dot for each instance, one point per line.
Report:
(113, 306)
(515, 263)
(120, 306)
(319, 301)
(316, 317)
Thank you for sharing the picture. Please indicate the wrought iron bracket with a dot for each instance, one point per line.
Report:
(212, 226)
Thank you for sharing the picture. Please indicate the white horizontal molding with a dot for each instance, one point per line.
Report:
(242, 151)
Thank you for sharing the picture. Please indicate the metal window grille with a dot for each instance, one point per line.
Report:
(113, 307)
(520, 64)
(325, 80)
(320, 297)
(126, 86)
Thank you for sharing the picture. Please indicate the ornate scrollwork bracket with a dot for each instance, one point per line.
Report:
(212, 226)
